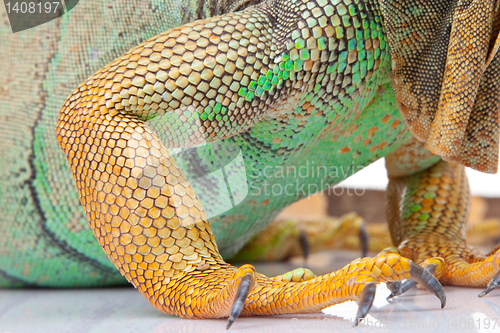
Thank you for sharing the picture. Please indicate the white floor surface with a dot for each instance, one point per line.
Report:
(125, 310)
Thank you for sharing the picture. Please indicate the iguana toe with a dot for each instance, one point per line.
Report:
(300, 291)
(399, 288)
(246, 283)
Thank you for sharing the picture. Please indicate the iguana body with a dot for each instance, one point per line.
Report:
(292, 84)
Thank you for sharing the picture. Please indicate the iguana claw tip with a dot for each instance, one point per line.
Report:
(366, 301)
(428, 281)
(244, 287)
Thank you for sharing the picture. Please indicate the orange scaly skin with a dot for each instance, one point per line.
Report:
(210, 294)
(429, 225)
(274, 297)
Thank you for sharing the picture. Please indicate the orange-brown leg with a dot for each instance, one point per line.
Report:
(151, 225)
(283, 239)
(427, 214)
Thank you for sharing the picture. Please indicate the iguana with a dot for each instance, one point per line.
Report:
(315, 84)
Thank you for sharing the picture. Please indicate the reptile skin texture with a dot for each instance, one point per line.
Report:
(326, 86)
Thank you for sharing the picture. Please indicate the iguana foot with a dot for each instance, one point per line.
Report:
(229, 291)
(300, 291)
(144, 212)
(455, 264)
(427, 214)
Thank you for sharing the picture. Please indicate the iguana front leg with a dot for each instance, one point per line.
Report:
(140, 206)
(427, 213)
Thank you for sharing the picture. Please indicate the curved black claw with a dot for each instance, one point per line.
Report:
(363, 240)
(405, 286)
(304, 243)
(494, 283)
(394, 288)
(409, 284)
(428, 281)
(241, 296)
(367, 296)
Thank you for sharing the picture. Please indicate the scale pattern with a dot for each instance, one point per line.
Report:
(443, 59)
(292, 86)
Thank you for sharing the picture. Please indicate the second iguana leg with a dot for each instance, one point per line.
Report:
(283, 239)
(153, 228)
(428, 222)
